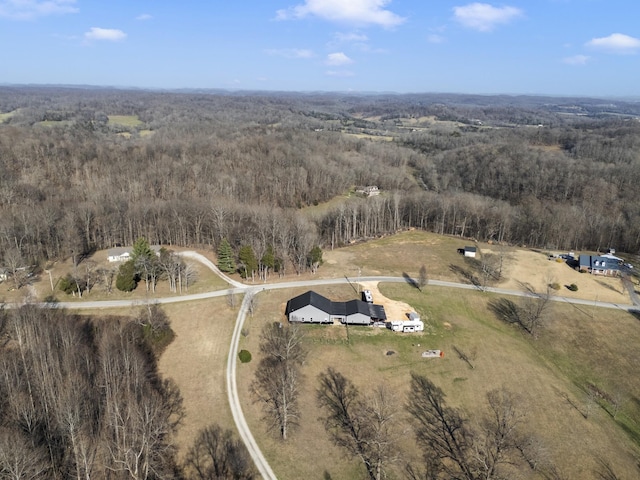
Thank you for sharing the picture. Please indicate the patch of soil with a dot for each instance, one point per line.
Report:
(395, 310)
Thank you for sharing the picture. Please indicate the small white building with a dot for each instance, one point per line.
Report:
(470, 252)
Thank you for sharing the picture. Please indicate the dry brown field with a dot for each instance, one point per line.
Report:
(580, 346)
(196, 360)
(548, 374)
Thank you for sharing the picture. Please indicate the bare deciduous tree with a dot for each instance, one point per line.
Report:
(283, 342)
(276, 386)
(278, 376)
(15, 263)
(216, 455)
(365, 428)
(423, 278)
(452, 448)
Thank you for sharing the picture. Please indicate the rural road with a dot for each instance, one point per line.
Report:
(250, 290)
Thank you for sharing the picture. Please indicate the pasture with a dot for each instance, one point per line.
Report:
(549, 374)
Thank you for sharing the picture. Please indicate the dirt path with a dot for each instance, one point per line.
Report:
(395, 310)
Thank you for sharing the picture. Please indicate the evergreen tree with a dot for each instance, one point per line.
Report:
(248, 260)
(127, 279)
(226, 262)
(142, 249)
(314, 258)
(146, 263)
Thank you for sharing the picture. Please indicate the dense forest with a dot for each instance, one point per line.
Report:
(88, 169)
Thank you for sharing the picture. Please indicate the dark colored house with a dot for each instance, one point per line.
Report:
(608, 265)
(311, 307)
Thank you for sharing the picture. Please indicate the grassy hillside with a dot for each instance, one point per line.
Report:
(567, 379)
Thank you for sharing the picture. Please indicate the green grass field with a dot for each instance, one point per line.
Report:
(125, 120)
(6, 116)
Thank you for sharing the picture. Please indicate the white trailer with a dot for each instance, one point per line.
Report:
(408, 326)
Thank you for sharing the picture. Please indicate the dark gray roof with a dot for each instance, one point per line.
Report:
(377, 312)
(357, 306)
(600, 262)
(584, 260)
(335, 308)
(470, 249)
(309, 298)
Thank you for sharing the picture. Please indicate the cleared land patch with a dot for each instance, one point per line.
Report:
(125, 120)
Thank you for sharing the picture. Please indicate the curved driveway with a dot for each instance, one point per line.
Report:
(250, 290)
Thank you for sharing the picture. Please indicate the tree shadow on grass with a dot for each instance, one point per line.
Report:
(468, 275)
(410, 280)
(505, 310)
(635, 313)
(607, 286)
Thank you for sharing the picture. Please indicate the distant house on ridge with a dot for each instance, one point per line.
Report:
(368, 191)
(123, 254)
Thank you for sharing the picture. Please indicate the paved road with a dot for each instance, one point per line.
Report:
(250, 290)
(631, 289)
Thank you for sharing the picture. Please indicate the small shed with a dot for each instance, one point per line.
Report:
(470, 251)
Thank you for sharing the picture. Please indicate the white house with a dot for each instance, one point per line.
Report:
(123, 254)
(119, 254)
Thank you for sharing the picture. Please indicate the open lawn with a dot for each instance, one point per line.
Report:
(6, 116)
(196, 361)
(125, 120)
(39, 286)
(545, 373)
(405, 252)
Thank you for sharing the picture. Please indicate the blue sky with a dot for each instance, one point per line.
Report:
(557, 47)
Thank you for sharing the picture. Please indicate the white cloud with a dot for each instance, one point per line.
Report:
(109, 34)
(484, 17)
(144, 16)
(290, 52)
(338, 59)
(616, 43)
(435, 38)
(29, 9)
(576, 60)
(359, 12)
